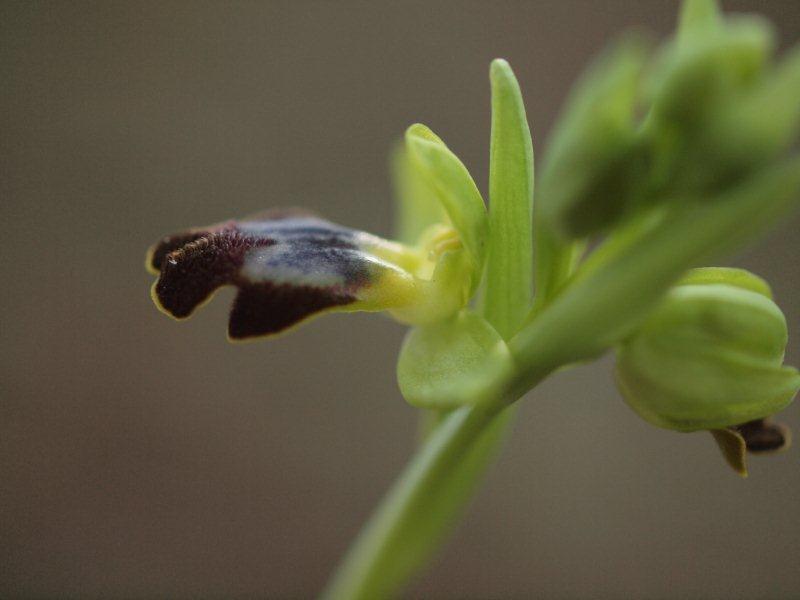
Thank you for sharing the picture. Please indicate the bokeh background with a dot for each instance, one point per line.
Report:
(141, 458)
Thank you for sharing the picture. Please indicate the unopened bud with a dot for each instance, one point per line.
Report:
(710, 357)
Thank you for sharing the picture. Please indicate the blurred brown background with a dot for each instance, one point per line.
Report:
(141, 458)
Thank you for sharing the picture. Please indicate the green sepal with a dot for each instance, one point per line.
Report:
(509, 268)
(451, 182)
(728, 276)
(716, 319)
(716, 399)
(460, 361)
(709, 357)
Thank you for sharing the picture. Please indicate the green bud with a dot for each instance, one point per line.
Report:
(710, 357)
(703, 90)
(698, 18)
(591, 159)
(754, 127)
(695, 74)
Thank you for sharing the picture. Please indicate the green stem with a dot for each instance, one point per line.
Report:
(418, 509)
(423, 504)
(429, 420)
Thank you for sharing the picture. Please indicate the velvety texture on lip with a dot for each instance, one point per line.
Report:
(287, 264)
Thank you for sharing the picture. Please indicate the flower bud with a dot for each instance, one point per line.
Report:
(709, 357)
(719, 110)
(593, 159)
(696, 74)
(753, 128)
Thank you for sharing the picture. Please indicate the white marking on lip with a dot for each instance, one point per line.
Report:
(274, 264)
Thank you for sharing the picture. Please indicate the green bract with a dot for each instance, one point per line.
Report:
(710, 356)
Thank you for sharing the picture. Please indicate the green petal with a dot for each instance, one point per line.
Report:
(452, 363)
(694, 317)
(509, 269)
(416, 204)
(453, 185)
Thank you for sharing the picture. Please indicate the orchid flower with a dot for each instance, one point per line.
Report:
(660, 162)
(290, 265)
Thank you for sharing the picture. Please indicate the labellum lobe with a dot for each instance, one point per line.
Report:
(288, 266)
